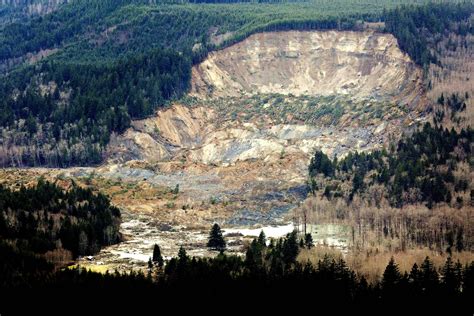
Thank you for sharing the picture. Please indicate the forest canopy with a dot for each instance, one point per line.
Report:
(45, 219)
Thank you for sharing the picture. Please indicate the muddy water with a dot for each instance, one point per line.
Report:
(142, 232)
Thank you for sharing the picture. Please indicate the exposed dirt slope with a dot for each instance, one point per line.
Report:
(283, 95)
(259, 109)
(310, 63)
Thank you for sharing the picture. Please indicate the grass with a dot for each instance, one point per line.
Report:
(98, 268)
(371, 263)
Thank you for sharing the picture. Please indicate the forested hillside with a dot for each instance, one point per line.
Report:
(21, 10)
(419, 29)
(73, 77)
(56, 224)
(418, 192)
(412, 172)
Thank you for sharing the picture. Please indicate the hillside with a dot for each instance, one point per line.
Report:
(292, 84)
(240, 157)
(71, 79)
(21, 10)
(216, 146)
(361, 65)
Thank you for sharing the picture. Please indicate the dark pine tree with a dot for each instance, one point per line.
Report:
(429, 276)
(391, 279)
(262, 239)
(308, 241)
(216, 240)
(254, 256)
(290, 248)
(450, 281)
(157, 257)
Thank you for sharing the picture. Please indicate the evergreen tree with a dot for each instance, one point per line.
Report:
(182, 255)
(441, 99)
(320, 163)
(150, 264)
(176, 189)
(308, 241)
(290, 248)
(254, 255)
(391, 277)
(449, 279)
(216, 239)
(262, 240)
(414, 277)
(429, 276)
(31, 125)
(157, 257)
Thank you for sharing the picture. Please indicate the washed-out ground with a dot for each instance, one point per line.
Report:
(142, 232)
(172, 220)
(153, 212)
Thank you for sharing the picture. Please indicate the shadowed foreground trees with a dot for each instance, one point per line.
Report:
(273, 274)
(157, 257)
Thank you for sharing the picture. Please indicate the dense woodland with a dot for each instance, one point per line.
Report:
(56, 224)
(394, 192)
(266, 271)
(70, 121)
(439, 38)
(418, 29)
(72, 78)
(419, 169)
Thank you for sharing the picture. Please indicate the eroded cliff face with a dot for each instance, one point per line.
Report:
(256, 113)
(310, 63)
(285, 93)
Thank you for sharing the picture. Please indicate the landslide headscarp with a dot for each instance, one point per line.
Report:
(359, 64)
(259, 109)
(287, 92)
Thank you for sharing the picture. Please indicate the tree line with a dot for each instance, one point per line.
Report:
(270, 268)
(71, 123)
(61, 110)
(417, 28)
(45, 220)
(410, 171)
